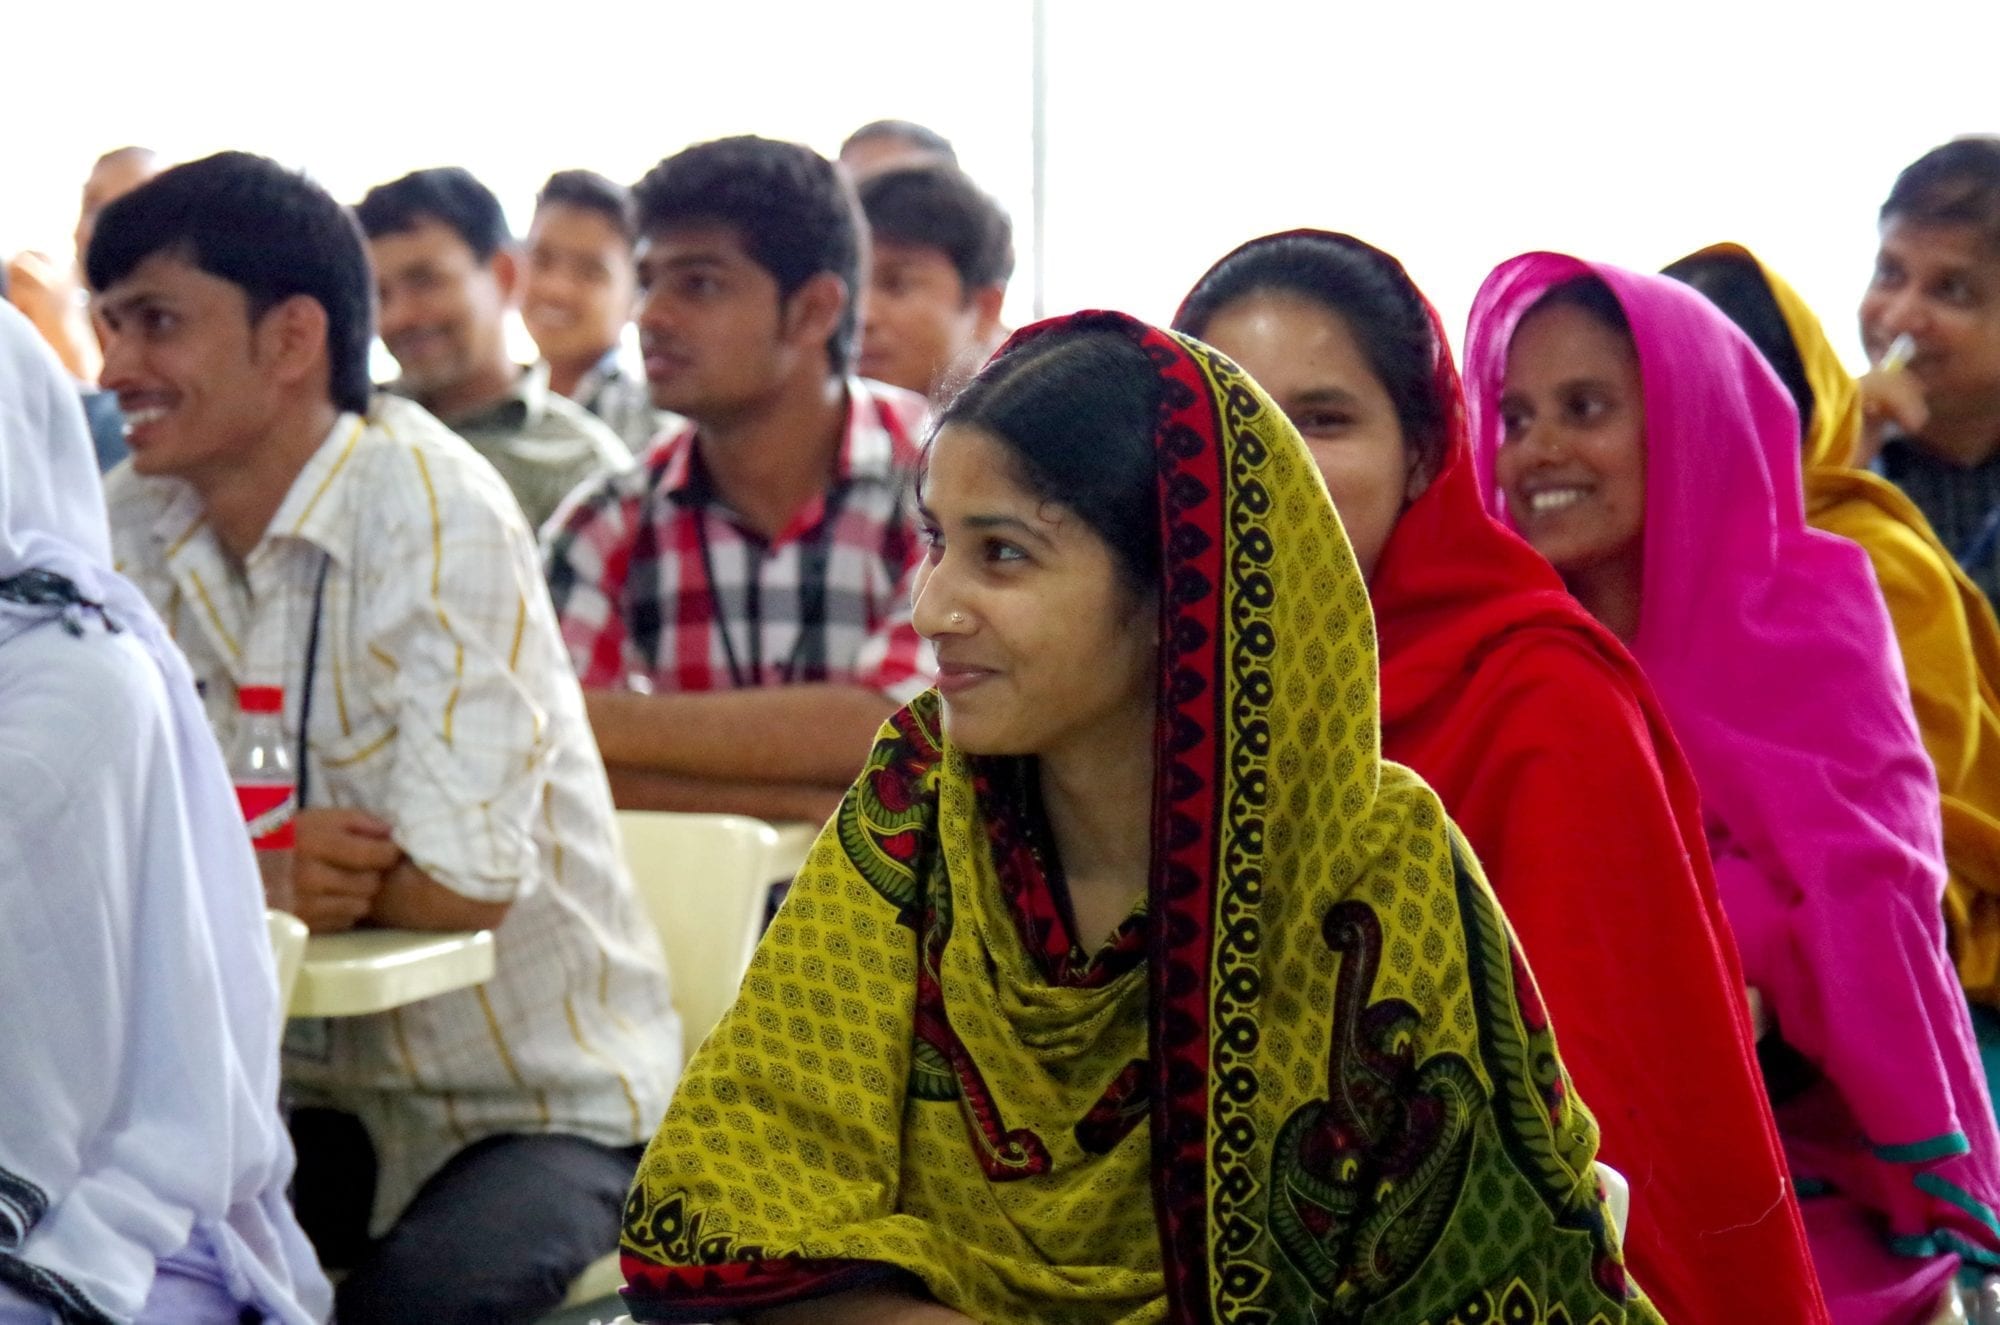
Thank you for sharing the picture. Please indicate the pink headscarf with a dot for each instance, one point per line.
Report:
(1769, 645)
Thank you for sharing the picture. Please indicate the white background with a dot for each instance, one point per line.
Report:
(1454, 135)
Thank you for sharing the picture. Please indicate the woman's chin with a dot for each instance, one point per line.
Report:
(976, 734)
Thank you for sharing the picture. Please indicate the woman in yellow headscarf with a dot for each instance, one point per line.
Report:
(1129, 983)
(1950, 641)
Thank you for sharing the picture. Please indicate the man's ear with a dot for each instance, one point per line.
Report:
(505, 264)
(988, 299)
(291, 340)
(813, 313)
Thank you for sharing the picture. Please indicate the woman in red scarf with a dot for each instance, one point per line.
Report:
(1541, 736)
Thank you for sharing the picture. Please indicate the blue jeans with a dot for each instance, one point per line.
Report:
(496, 1236)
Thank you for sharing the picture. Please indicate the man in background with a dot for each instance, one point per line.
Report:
(887, 144)
(942, 252)
(576, 296)
(1937, 281)
(738, 606)
(52, 297)
(446, 273)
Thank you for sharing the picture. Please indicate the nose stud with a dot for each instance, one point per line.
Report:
(956, 618)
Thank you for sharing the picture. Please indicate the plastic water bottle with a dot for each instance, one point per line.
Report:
(260, 763)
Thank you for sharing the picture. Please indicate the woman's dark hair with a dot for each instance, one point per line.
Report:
(1735, 285)
(1383, 311)
(1077, 411)
(1591, 295)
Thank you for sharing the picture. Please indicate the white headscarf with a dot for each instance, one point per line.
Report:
(139, 1123)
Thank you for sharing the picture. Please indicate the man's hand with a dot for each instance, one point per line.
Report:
(1892, 396)
(339, 863)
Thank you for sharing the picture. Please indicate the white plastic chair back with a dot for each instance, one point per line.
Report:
(1617, 1197)
(705, 879)
(601, 1279)
(795, 841)
(1954, 1308)
(288, 952)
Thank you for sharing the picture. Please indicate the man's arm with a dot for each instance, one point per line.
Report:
(776, 802)
(814, 735)
(412, 899)
(347, 868)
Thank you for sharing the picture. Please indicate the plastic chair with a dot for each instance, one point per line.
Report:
(795, 841)
(703, 879)
(1954, 1308)
(288, 953)
(597, 1288)
(1617, 1197)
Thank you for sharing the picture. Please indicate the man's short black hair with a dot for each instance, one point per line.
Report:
(450, 195)
(940, 207)
(590, 191)
(1956, 184)
(267, 230)
(793, 210)
(908, 131)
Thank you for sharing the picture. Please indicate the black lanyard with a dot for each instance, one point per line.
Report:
(809, 649)
(300, 774)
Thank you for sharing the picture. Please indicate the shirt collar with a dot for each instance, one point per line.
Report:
(310, 511)
(315, 507)
(868, 449)
(608, 368)
(523, 403)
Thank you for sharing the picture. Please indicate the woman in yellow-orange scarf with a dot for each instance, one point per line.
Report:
(1949, 639)
(1306, 1077)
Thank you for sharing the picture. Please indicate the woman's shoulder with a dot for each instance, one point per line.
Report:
(1896, 550)
(74, 704)
(1563, 686)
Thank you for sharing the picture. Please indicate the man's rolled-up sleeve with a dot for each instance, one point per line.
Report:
(473, 742)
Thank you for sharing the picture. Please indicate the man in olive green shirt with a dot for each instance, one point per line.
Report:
(445, 273)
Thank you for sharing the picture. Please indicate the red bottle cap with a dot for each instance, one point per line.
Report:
(261, 699)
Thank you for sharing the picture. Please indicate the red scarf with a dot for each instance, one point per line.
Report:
(1544, 740)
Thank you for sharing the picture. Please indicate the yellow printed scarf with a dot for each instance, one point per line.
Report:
(1310, 1079)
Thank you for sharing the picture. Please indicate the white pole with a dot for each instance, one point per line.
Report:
(1039, 191)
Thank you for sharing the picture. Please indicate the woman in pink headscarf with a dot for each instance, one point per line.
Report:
(1639, 441)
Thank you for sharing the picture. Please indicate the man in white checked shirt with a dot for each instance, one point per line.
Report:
(467, 1155)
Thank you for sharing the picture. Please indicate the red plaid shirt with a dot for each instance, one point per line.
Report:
(658, 584)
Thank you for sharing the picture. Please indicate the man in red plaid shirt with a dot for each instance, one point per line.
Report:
(737, 606)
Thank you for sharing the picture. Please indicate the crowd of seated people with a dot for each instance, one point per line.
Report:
(1302, 832)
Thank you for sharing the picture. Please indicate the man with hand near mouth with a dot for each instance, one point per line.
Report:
(467, 1155)
(446, 273)
(576, 297)
(1937, 281)
(738, 606)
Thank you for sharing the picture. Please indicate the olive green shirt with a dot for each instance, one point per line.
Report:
(543, 444)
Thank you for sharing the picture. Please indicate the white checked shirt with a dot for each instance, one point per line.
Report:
(443, 702)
